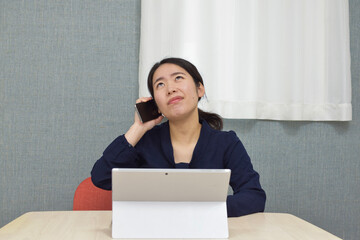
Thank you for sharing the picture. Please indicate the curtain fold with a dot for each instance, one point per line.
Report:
(279, 59)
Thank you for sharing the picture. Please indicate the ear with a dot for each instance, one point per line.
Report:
(201, 90)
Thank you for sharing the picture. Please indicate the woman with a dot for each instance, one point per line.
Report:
(191, 138)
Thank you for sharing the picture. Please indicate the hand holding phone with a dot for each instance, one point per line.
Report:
(147, 110)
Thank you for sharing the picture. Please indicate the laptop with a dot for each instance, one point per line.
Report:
(169, 203)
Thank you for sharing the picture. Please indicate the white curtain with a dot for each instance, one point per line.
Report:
(260, 59)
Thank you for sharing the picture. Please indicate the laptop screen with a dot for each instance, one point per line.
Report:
(203, 185)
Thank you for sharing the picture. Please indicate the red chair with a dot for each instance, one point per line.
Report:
(89, 197)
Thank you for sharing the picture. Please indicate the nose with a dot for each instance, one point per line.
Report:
(171, 89)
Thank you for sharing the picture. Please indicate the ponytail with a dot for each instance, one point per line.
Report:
(213, 119)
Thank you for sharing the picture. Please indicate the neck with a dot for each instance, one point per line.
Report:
(185, 131)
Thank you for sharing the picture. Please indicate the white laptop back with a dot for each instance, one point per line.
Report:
(170, 203)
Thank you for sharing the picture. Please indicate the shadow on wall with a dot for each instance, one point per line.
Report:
(291, 128)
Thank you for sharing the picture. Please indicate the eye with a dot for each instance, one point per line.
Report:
(178, 77)
(160, 84)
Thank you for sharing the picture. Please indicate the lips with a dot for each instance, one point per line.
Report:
(175, 100)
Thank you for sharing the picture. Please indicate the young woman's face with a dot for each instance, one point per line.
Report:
(175, 91)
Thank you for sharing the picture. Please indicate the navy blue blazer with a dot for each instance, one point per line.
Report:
(214, 150)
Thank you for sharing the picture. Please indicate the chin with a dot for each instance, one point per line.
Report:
(174, 117)
(177, 116)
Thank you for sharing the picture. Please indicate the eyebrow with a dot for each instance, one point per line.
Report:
(173, 74)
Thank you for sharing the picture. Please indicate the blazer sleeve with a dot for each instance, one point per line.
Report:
(119, 154)
(248, 196)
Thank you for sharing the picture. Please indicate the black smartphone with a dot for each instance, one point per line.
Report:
(147, 110)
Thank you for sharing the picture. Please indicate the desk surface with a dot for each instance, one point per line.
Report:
(97, 225)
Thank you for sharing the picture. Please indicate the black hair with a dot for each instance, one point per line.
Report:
(213, 119)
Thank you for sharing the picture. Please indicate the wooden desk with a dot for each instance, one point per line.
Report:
(97, 225)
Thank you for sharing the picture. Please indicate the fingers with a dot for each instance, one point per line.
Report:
(143, 99)
(152, 123)
(159, 119)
